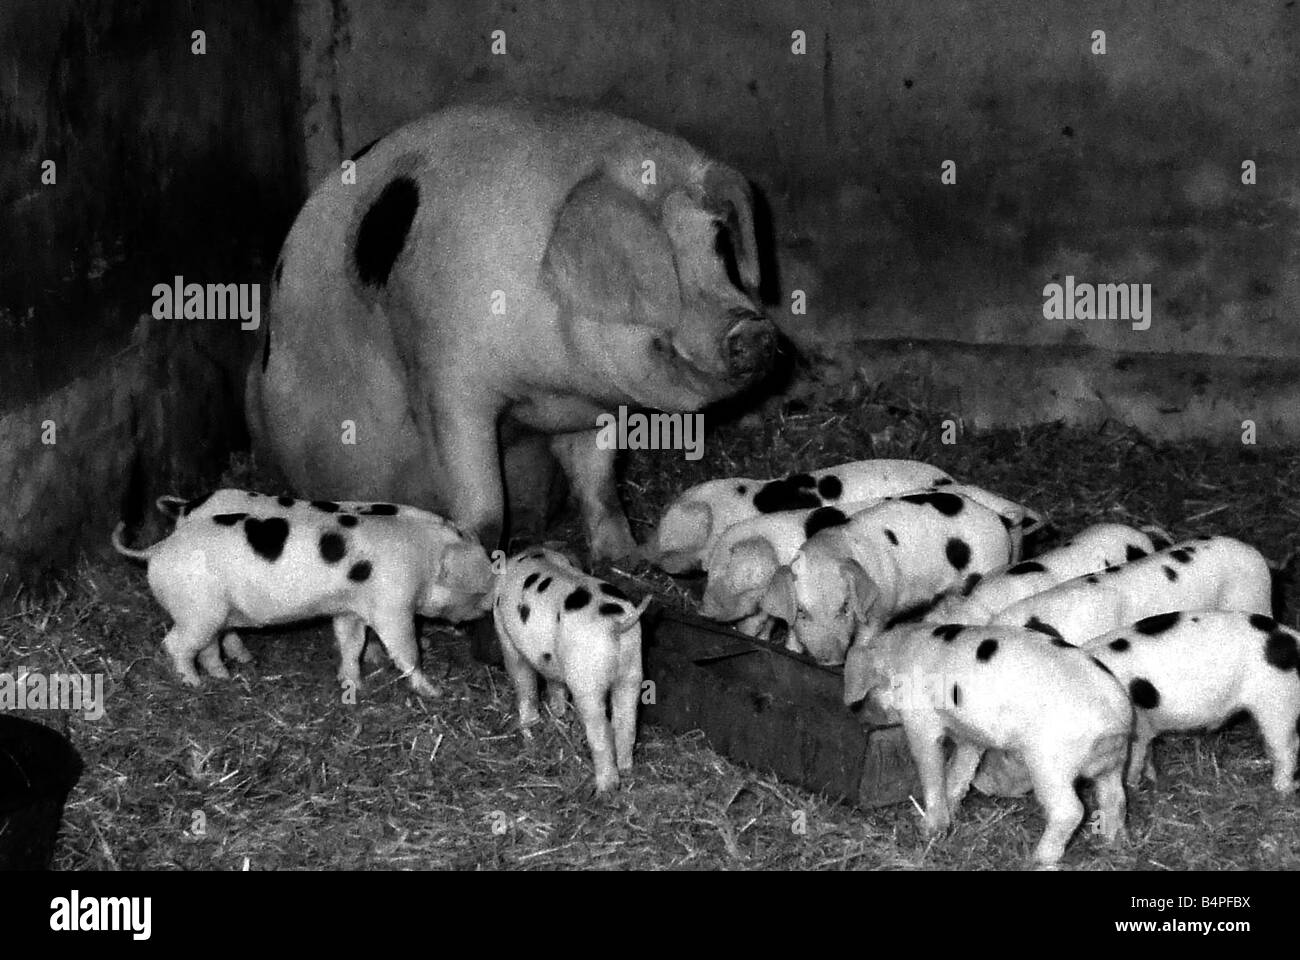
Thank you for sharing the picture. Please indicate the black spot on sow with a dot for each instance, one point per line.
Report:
(383, 230)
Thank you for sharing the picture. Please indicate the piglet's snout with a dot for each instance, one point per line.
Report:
(748, 344)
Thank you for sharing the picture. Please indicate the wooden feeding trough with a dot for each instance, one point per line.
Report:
(765, 707)
(762, 706)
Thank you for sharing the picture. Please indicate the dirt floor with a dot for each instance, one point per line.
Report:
(270, 770)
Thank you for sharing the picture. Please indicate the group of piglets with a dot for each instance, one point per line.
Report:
(1036, 672)
(238, 559)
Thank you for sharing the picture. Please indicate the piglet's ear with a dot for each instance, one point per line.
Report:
(753, 563)
(863, 592)
(465, 567)
(682, 532)
(608, 260)
(860, 675)
(778, 600)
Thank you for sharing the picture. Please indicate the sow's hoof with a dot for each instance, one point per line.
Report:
(483, 643)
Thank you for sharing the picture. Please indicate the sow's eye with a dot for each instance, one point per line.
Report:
(726, 251)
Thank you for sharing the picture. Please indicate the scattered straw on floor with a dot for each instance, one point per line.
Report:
(270, 770)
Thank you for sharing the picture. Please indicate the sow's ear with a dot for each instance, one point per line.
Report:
(727, 193)
(608, 260)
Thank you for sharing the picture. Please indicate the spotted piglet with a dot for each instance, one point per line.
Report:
(693, 523)
(229, 500)
(1208, 573)
(1196, 669)
(1056, 708)
(747, 556)
(857, 574)
(245, 569)
(1088, 551)
(577, 632)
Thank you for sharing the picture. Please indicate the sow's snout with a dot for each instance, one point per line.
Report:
(748, 345)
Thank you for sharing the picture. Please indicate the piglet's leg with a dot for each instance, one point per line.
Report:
(524, 677)
(925, 738)
(557, 698)
(600, 737)
(961, 771)
(1053, 778)
(397, 633)
(350, 635)
(210, 661)
(625, 697)
(234, 647)
(184, 643)
(1111, 804)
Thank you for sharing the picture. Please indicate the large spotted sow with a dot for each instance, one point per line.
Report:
(247, 570)
(1196, 669)
(748, 554)
(1208, 573)
(1056, 708)
(690, 529)
(857, 574)
(577, 632)
(1088, 551)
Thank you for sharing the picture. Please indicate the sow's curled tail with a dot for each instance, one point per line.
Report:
(126, 551)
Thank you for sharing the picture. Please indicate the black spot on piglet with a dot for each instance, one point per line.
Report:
(1119, 645)
(383, 230)
(1027, 566)
(360, 572)
(1143, 693)
(948, 631)
(823, 518)
(578, 599)
(326, 506)
(1132, 553)
(830, 487)
(984, 652)
(541, 587)
(1150, 626)
(332, 547)
(524, 611)
(1170, 573)
(889, 535)
(380, 510)
(195, 504)
(1280, 650)
(784, 495)
(229, 519)
(949, 504)
(1042, 626)
(1182, 556)
(531, 579)
(610, 609)
(958, 553)
(267, 537)
(609, 590)
(285, 502)
(956, 695)
(972, 581)
(347, 520)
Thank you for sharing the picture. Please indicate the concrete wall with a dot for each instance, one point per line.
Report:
(166, 163)
(1115, 168)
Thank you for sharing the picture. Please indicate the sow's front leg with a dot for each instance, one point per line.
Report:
(591, 473)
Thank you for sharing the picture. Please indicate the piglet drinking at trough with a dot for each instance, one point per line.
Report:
(577, 632)
(856, 574)
(255, 569)
(1056, 708)
(1088, 551)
